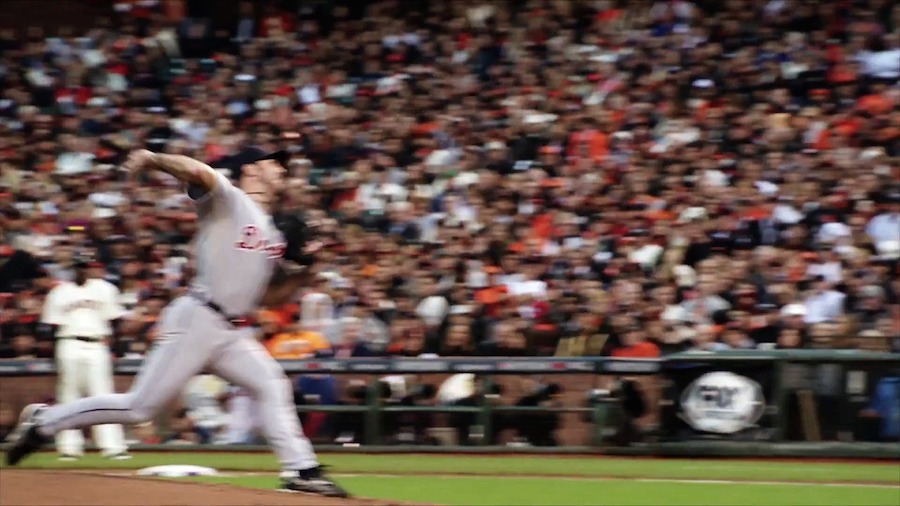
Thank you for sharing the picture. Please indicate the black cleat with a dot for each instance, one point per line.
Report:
(311, 481)
(26, 439)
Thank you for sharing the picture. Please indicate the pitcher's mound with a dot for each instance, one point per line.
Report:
(59, 488)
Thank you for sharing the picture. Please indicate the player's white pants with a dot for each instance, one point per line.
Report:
(85, 369)
(193, 339)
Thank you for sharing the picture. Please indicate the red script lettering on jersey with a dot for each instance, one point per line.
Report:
(252, 240)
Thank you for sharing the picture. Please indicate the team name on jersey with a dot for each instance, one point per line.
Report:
(252, 239)
(82, 304)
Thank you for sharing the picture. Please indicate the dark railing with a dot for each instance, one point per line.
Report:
(722, 397)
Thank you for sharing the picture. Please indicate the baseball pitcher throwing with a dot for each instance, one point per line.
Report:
(243, 260)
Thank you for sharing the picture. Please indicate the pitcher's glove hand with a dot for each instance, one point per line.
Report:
(298, 236)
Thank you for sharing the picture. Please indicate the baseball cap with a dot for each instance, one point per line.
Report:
(249, 155)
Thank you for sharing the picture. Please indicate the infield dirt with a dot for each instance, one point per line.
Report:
(59, 488)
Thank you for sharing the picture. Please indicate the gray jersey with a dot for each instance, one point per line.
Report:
(236, 248)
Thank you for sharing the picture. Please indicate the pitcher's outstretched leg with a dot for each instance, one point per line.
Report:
(246, 363)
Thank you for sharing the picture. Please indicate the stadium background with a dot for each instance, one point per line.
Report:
(503, 179)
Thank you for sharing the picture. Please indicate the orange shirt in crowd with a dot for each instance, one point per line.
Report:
(296, 345)
(597, 144)
(875, 104)
(640, 350)
(757, 213)
(423, 129)
(281, 315)
(542, 225)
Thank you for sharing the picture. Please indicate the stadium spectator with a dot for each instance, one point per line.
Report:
(721, 175)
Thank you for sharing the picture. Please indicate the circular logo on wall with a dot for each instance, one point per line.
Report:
(722, 403)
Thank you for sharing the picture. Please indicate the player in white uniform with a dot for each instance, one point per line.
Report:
(82, 314)
(239, 266)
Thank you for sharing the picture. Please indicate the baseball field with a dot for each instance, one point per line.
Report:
(250, 478)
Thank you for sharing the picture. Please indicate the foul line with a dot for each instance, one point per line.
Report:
(841, 484)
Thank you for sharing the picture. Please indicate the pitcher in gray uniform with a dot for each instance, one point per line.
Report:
(239, 266)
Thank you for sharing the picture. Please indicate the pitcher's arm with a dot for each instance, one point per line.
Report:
(184, 168)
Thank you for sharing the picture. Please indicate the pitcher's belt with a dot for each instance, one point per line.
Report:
(237, 321)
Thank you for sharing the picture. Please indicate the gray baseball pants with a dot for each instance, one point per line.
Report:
(192, 339)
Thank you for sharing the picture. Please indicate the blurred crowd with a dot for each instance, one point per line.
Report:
(519, 177)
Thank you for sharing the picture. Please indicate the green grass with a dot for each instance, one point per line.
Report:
(498, 480)
(472, 491)
(511, 465)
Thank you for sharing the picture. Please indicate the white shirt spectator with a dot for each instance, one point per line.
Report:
(194, 131)
(370, 196)
(455, 388)
(793, 310)
(573, 243)
(107, 199)
(432, 310)
(527, 208)
(39, 245)
(410, 38)
(47, 207)
(309, 94)
(881, 64)
(476, 277)
(823, 307)
(389, 84)
(510, 280)
(889, 250)
(675, 135)
(459, 212)
(711, 304)
(833, 231)
(201, 399)
(317, 312)
(692, 214)
(338, 91)
(550, 248)
(831, 271)
(533, 288)
(784, 213)
(74, 163)
(674, 313)
(429, 225)
(884, 227)
(647, 255)
(814, 131)
(237, 108)
(766, 188)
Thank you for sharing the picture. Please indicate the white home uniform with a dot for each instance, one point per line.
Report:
(83, 361)
(237, 246)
